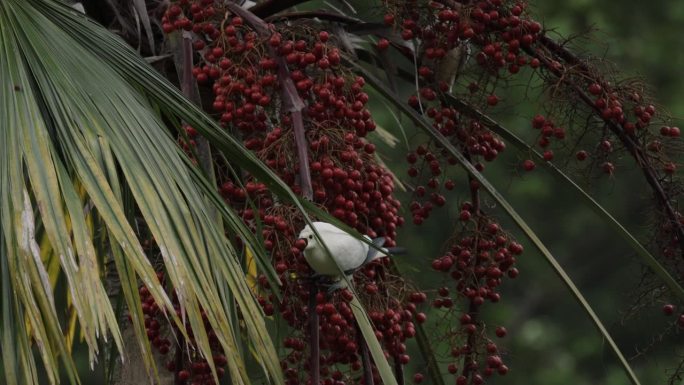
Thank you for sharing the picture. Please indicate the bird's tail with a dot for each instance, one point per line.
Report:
(395, 250)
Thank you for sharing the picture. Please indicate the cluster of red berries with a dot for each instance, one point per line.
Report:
(477, 263)
(469, 136)
(498, 31)
(482, 254)
(247, 71)
(184, 360)
(548, 132)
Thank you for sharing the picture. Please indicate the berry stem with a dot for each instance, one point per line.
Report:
(398, 371)
(472, 307)
(314, 336)
(178, 363)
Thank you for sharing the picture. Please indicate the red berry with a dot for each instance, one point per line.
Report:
(668, 309)
(528, 165)
(418, 378)
(389, 19)
(492, 100)
(608, 168)
(669, 168)
(581, 155)
(665, 131)
(595, 89)
(183, 375)
(538, 121)
(383, 44)
(501, 331)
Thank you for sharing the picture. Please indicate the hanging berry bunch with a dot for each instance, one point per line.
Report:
(481, 256)
(447, 34)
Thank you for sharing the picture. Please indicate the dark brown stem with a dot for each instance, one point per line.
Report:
(189, 89)
(271, 7)
(472, 308)
(628, 140)
(292, 102)
(322, 15)
(178, 362)
(365, 358)
(314, 349)
(468, 356)
(399, 371)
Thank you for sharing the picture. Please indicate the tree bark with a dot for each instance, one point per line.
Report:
(132, 370)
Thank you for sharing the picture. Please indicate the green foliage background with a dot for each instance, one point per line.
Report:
(550, 340)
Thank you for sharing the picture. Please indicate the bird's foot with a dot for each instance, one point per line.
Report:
(333, 287)
(316, 278)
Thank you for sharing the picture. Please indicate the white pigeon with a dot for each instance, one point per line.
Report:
(350, 253)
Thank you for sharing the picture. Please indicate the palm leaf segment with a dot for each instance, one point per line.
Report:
(68, 119)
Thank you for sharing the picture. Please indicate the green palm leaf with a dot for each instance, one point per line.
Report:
(67, 115)
(133, 68)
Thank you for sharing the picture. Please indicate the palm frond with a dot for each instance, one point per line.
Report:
(69, 117)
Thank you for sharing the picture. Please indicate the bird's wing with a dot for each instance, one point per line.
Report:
(374, 253)
(348, 251)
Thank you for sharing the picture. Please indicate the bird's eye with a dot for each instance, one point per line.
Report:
(310, 236)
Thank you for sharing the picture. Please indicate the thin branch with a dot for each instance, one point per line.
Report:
(473, 309)
(271, 7)
(322, 15)
(189, 89)
(399, 371)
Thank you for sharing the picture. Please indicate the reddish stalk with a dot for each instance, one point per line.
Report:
(292, 103)
(189, 89)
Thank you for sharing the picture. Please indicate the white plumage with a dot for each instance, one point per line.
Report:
(349, 252)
